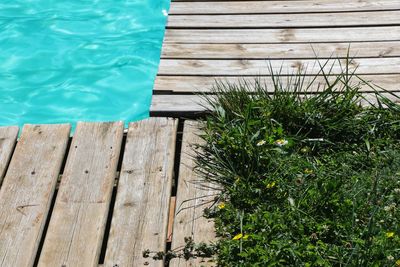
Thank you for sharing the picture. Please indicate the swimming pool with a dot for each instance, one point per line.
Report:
(78, 60)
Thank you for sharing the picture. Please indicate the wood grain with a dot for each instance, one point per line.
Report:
(77, 224)
(193, 196)
(194, 104)
(176, 103)
(8, 137)
(280, 7)
(27, 191)
(281, 51)
(316, 20)
(202, 84)
(290, 35)
(261, 67)
(141, 209)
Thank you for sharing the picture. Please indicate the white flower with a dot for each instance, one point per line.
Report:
(397, 190)
(260, 143)
(390, 207)
(390, 258)
(291, 201)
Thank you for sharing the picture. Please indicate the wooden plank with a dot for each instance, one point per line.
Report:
(280, 51)
(76, 228)
(261, 67)
(312, 35)
(193, 196)
(141, 209)
(194, 104)
(316, 20)
(27, 190)
(286, 7)
(170, 104)
(201, 84)
(8, 137)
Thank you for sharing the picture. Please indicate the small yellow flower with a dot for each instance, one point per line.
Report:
(245, 237)
(281, 142)
(271, 185)
(398, 263)
(221, 205)
(305, 150)
(260, 143)
(308, 171)
(237, 237)
(390, 234)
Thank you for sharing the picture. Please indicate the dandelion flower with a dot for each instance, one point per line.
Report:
(281, 142)
(237, 180)
(390, 234)
(245, 237)
(261, 143)
(221, 205)
(271, 185)
(237, 237)
(398, 263)
(308, 171)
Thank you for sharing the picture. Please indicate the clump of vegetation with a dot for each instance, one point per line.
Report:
(190, 250)
(308, 179)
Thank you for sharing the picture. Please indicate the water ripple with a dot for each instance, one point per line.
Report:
(65, 61)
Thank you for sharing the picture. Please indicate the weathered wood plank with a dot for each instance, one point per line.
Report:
(8, 137)
(316, 20)
(27, 190)
(270, 7)
(141, 209)
(193, 196)
(194, 104)
(312, 35)
(200, 84)
(77, 224)
(168, 104)
(280, 51)
(261, 67)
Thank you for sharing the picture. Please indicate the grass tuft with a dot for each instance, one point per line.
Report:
(309, 170)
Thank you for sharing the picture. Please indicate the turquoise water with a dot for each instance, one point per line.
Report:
(68, 61)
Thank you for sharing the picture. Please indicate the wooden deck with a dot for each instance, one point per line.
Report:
(100, 197)
(105, 194)
(210, 39)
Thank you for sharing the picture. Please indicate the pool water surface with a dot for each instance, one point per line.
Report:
(78, 60)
